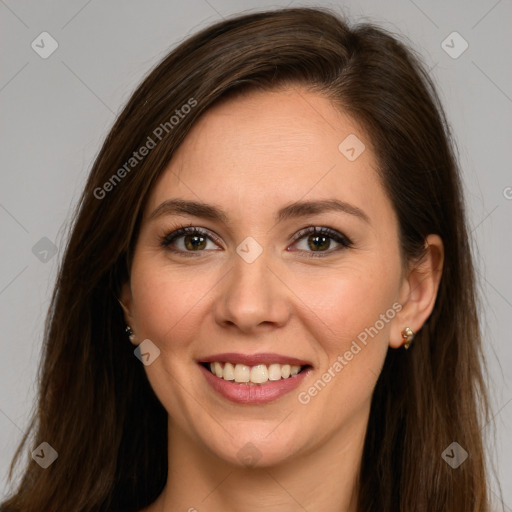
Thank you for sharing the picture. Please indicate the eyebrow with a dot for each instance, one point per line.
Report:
(293, 210)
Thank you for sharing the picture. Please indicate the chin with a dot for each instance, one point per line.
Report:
(256, 447)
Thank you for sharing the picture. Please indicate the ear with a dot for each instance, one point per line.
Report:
(125, 300)
(418, 292)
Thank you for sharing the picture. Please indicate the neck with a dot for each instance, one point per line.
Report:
(321, 479)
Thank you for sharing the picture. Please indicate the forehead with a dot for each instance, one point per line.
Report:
(280, 146)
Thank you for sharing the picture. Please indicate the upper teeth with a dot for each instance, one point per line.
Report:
(256, 374)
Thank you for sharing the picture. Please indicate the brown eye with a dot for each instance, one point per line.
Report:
(194, 242)
(320, 240)
(187, 240)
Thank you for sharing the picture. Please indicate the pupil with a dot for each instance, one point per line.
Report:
(195, 242)
(324, 243)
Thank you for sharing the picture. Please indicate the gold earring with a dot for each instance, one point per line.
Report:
(407, 336)
(130, 333)
(128, 329)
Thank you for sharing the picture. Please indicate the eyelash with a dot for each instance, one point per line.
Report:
(343, 240)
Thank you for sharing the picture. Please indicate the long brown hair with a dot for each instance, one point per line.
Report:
(95, 404)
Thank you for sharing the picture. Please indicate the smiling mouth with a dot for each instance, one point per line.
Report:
(253, 375)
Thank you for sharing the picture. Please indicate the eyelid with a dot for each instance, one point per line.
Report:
(182, 230)
(323, 230)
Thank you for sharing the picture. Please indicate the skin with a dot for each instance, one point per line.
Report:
(251, 156)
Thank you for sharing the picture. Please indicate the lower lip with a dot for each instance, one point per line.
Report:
(243, 393)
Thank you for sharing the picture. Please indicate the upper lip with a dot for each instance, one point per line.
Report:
(253, 359)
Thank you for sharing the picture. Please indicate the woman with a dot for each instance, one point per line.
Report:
(267, 300)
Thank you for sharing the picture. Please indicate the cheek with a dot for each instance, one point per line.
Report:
(167, 303)
(349, 302)
(356, 310)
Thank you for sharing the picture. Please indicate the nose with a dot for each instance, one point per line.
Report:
(253, 297)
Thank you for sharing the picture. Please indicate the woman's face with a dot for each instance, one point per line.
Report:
(257, 289)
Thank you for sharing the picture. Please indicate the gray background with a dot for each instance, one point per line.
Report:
(56, 111)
